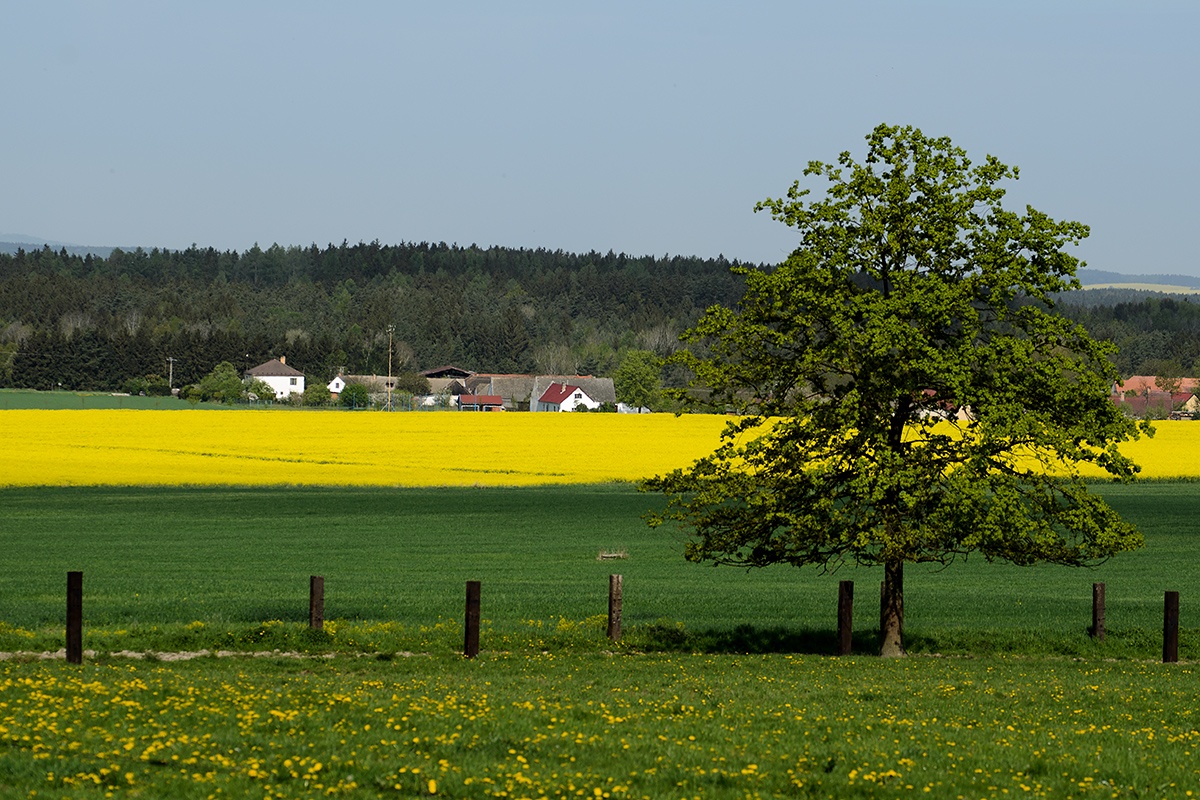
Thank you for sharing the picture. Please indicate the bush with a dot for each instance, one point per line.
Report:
(355, 395)
(315, 395)
(411, 383)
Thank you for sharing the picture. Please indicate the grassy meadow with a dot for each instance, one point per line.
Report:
(194, 534)
(34, 399)
(168, 568)
(594, 725)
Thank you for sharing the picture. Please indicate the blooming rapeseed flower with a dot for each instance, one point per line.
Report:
(210, 447)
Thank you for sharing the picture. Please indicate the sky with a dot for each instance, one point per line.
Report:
(639, 127)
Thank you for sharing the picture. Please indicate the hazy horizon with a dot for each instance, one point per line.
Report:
(644, 129)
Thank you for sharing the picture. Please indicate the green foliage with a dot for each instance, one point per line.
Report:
(157, 386)
(637, 379)
(149, 386)
(330, 309)
(412, 383)
(315, 394)
(8, 353)
(354, 395)
(222, 385)
(260, 389)
(1153, 334)
(914, 295)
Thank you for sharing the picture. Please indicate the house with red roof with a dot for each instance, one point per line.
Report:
(565, 397)
(1152, 397)
(1146, 384)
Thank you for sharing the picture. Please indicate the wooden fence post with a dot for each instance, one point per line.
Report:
(845, 617)
(471, 636)
(1171, 627)
(74, 617)
(614, 607)
(316, 602)
(1097, 629)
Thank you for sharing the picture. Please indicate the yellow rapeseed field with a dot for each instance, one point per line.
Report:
(272, 447)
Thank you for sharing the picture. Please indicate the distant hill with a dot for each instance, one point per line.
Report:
(11, 242)
(1101, 279)
(1101, 288)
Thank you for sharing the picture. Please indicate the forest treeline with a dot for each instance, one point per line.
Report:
(1155, 334)
(83, 322)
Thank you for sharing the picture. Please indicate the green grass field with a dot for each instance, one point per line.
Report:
(234, 559)
(720, 689)
(530, 725)
(31, 398)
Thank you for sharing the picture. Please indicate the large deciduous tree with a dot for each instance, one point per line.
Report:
(637, 379)
(907, 393)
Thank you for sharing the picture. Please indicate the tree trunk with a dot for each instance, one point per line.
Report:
(891, 614)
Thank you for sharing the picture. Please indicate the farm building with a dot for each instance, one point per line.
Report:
(480, 402)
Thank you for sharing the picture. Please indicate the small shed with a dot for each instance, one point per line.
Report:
(480, 402)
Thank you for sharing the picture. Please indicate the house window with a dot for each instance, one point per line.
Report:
(579, 395)
(292, 381)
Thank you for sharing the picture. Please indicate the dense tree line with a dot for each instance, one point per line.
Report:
(1155, 334)
(84, 322)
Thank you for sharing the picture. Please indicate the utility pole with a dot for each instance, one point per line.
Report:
(391, 330)
(170, 372)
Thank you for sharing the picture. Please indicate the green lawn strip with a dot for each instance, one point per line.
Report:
(589, 724)
(228, 568)
(29, 398)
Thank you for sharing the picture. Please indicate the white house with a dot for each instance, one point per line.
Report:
(598, 391)
(564, 397)
(336, 386)
(279, 376)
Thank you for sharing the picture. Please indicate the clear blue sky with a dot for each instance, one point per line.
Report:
(643, 127)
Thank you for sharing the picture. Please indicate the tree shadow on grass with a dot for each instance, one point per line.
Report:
(665, 636)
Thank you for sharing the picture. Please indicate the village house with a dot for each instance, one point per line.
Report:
(282, 379)
(1152, 397)
(565, 397)
(597, 391)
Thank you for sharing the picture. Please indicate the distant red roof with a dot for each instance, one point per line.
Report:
(1139, 405)
(557, 393)
(1149, 383)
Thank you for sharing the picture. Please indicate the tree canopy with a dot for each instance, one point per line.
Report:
(637, 379)
(906, 394)
(94, 323)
